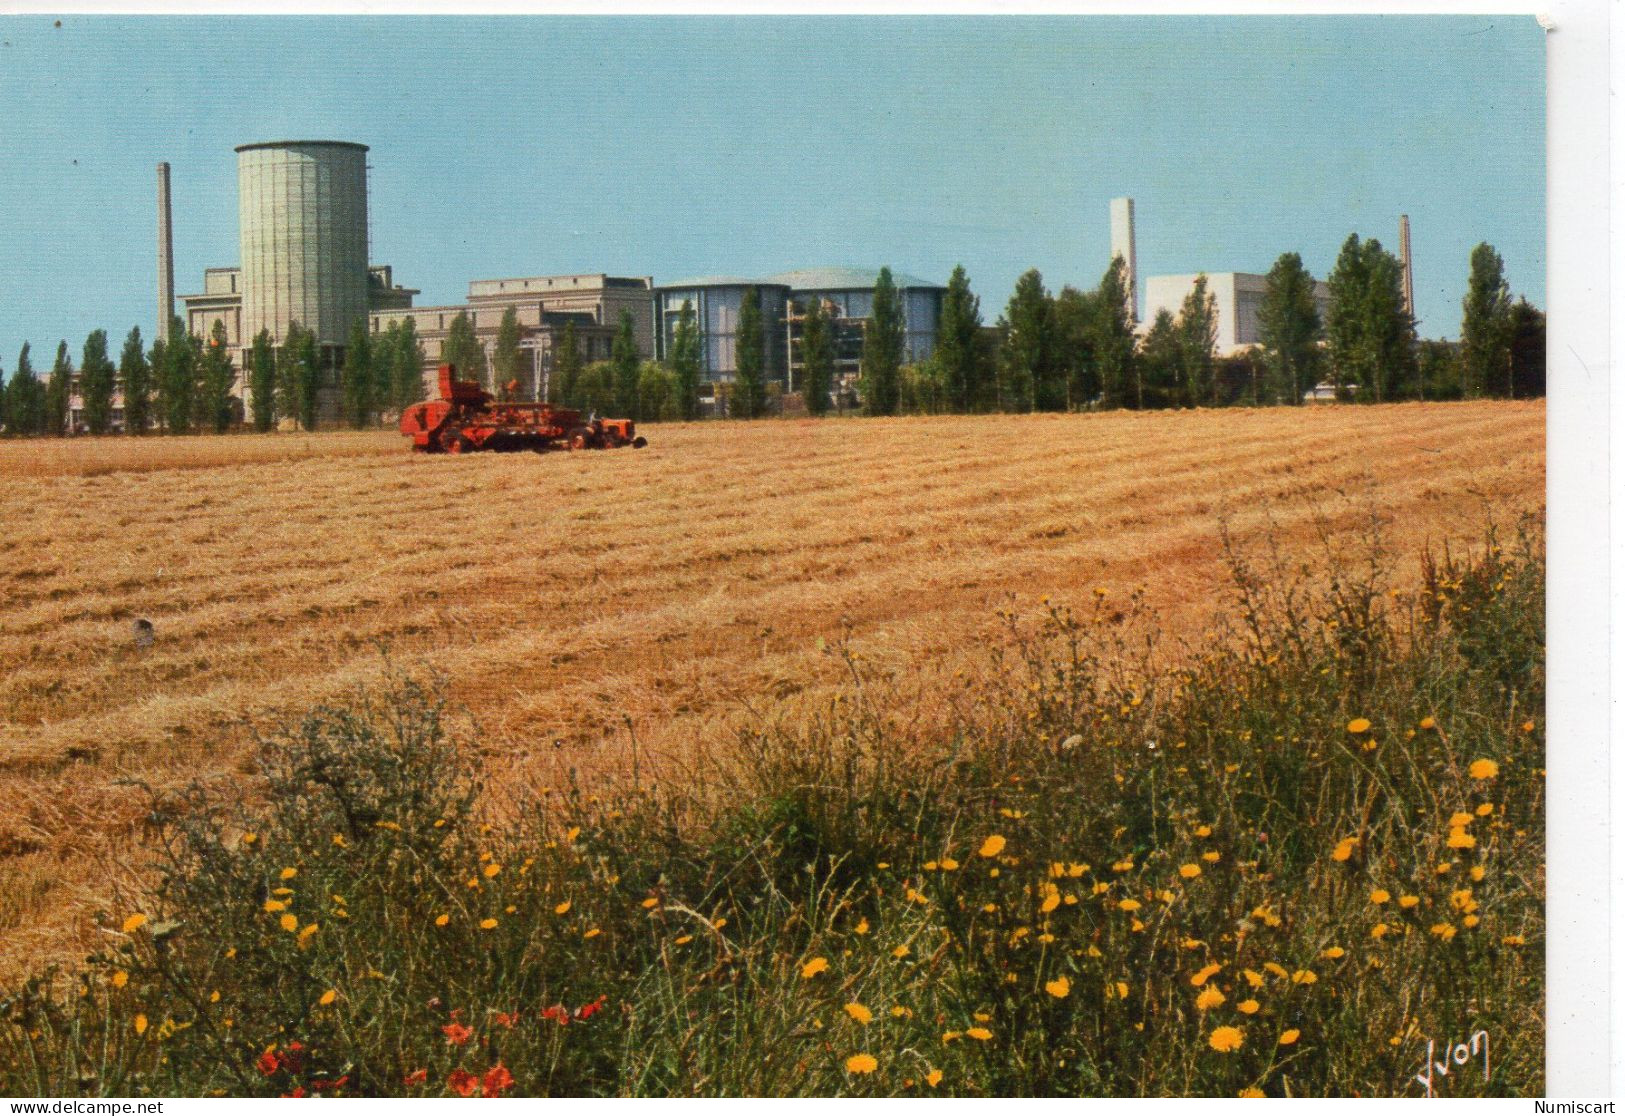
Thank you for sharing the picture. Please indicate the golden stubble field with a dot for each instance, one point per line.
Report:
(575, 599)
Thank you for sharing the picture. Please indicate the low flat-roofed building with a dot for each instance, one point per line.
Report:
(1238, 296)
(543, 305)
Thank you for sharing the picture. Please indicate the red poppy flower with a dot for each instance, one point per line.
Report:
(462, 1082)
(417, 1077)
(497, 1081)
(268, 1063)
(505, 1018)
(558, 1013)
(587, 1011)
(298, 1091)
(457, 1034)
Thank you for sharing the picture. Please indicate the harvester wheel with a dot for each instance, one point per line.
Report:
(639, 442)
(456, 443)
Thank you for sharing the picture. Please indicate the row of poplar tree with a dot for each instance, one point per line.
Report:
(1080, 349)
(1070, 351)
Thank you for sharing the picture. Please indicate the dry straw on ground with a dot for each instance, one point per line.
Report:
(574, 600)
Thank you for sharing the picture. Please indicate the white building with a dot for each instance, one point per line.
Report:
(1238, 296)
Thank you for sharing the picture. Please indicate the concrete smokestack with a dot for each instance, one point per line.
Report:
(1407, 288)
(166, 257)
(1123, 245)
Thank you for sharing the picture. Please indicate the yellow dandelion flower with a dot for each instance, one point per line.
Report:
(287, 873)
(1122, 990)
(1209, 997)
(860, 1013)
(683, 939)
(488, 924)
(980, 1034)
(214, 997)
(1272, 967)
(289, 923)
(1128, 905)
(1408, 901)
(1124, 865)
(1190, 871)
(900, 952)
(949, 864)
(862, 1063)
(1211, 857)
(934, 1078)
(1204, 831)
(442, 920)
(1379, 931)
(1247, 1007)
(250, 838)
(272, 906)
(1426, 723)
(1483, 769)
(1254, 979)
(1226, 1040)
(992, 847)
(812, 968)
(1059, 987)
(1304, 976)
(1470, 921)
(1359, 725)
(1379, 896)
(574, 832)
(328, 997)
(1251, 1091)
(1485, 809)
(492, 869)
(1332, 953)
(593, 933)
(1442, 930)
(1288, 1037)
(1476, 872)
(1528, 726)
(1460, 839)
(1513, 940)
(1460, 820)
(898, 1011)
(650, 903)
(140, 1023)
(120, 978)
(134, 923)
(562, 908)
(1200, 977)
(308, 932)
(1345, 848)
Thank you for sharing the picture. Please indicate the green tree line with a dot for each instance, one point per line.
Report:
(1070, 350)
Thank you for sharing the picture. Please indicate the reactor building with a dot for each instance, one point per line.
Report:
(303, 238)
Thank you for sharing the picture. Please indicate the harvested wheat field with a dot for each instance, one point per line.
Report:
(574, 600)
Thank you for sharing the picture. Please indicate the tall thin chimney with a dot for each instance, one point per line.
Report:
(166, 257)
(1123, 245)
(1406, 288)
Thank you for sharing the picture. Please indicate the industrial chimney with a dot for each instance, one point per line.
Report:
(1406, 288)
(166, 257)
(1123, 245)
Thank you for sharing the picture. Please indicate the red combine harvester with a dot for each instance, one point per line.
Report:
(466, 418)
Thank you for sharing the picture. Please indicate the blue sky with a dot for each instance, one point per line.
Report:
(681, 146)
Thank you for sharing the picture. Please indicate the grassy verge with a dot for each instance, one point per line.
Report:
(1282, 866)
